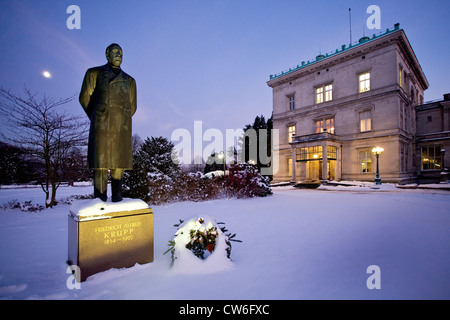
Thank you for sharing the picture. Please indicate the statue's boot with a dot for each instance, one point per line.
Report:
(100, 184)
(98, 194)
(116, 190)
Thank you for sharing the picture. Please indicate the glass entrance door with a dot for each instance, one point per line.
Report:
(315, 168)
(313, 156)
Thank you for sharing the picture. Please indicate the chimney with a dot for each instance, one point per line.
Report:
(446, 96)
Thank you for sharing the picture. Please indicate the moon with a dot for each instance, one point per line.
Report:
(46, 74)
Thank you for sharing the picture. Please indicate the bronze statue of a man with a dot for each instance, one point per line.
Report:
(108, 96)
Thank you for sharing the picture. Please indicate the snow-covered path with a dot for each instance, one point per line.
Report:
(297, 244)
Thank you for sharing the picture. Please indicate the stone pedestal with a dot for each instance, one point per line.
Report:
(104, 238)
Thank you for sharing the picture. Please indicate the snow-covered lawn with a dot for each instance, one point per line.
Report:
(297, 244)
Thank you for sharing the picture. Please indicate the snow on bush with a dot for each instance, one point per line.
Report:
(26, 206)
(201, 246)
(194, 187)
(245, 181)
(240, 181)
(29, 206)
(160, 189)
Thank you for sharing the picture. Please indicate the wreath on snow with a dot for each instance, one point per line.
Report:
(202, 236)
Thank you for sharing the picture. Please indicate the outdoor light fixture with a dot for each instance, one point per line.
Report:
(221, 156)
(377, 151)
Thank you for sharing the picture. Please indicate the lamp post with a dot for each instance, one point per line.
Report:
(222, 157)
(443, 170)
(377, 151)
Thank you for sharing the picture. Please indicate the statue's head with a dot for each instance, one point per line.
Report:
(114, 54)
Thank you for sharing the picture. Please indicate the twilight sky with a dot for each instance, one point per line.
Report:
(201, 60)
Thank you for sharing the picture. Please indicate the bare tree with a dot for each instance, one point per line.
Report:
(43, 131)
(136, 143)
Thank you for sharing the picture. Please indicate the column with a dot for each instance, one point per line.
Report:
(294, 164)
(324, 163)
(338, 164)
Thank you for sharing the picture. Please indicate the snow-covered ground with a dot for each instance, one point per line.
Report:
(297, 244)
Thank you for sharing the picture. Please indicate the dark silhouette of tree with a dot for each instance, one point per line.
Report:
(39, 128)
(260, 126)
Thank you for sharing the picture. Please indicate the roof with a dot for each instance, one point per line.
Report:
(344, 47)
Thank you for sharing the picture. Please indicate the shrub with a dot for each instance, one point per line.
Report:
(245, 181)
(160, 189)
(135, 182)
(195, 187)
(157, 187)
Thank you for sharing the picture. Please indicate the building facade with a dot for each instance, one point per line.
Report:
(332, 111)
(432, 152)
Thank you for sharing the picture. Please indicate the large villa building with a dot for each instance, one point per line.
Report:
(332, 111)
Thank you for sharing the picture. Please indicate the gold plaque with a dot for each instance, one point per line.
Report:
(118, 240)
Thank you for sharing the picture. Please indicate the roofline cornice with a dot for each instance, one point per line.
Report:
(397, 36)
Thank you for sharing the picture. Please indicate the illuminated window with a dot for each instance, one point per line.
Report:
(316, 153)
(309, 153)
(366, 161)
(329, 92)
(325, 125)
(364, 82)
(431, 158)
(331, 152)
(400, 77)
(319, 126)
(324, 93)
(291, 133)
(319, 95)
(365, 121)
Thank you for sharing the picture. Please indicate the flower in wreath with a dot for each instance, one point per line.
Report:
(201, 244)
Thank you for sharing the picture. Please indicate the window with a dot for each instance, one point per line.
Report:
(404, 79)
(310, 153)
(364, 82)
(290, 166)
(329, 92)
(331, 152)
(324, 93)
(319, 95)
(431, 158)
(291, 102)
(366, 161)
(403, 116)
(325, 125)
(291, 133)
(404, 156)
(400, 77)
(365, 121)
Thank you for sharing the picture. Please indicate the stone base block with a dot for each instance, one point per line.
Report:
(118, 240)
